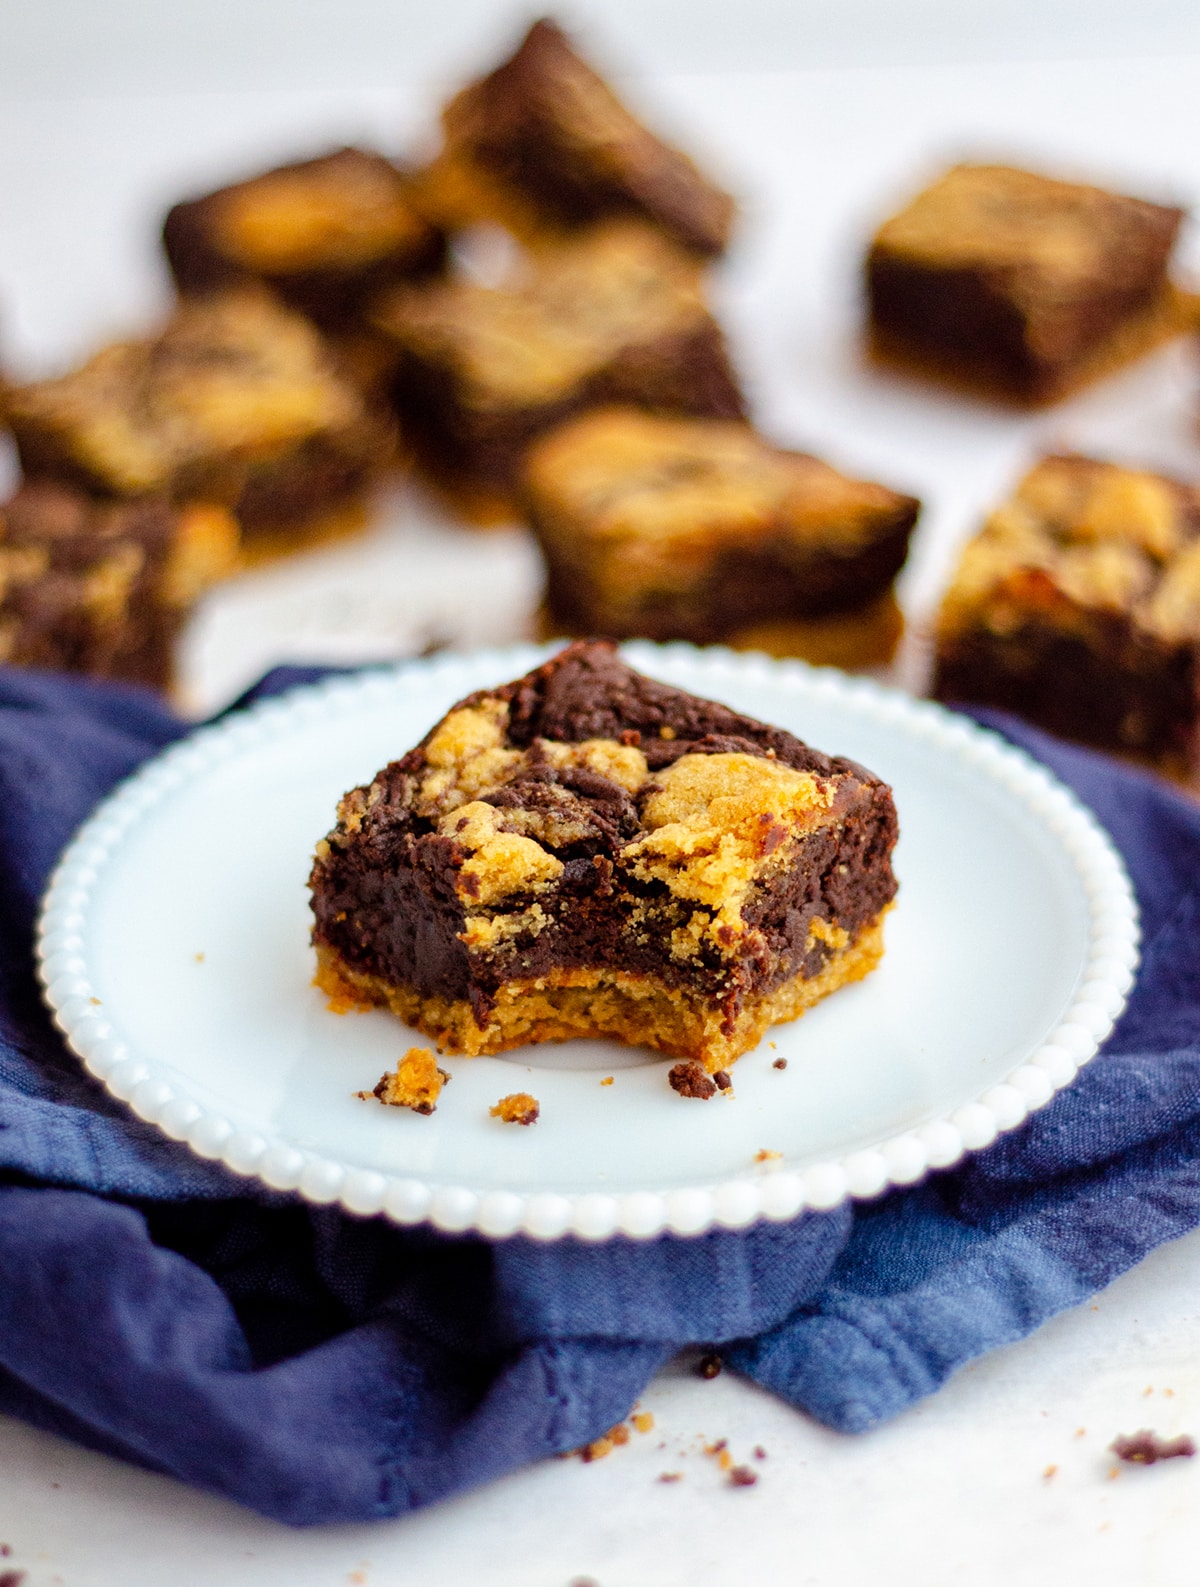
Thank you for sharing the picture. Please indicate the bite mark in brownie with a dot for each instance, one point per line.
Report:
(542, 143)
(614, 315)
(699, 529)
(1022, 285)
(1077, 606)
(588, 851)
(104, 587)
(235, 401)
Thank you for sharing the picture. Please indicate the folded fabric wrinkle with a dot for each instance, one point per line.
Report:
(319, 1368)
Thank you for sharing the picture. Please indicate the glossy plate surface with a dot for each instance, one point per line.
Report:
(174, 951)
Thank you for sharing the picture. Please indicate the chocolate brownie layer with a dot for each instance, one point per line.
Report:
(586, 849)
(1078, 606)
(1021, 284)
(543, 142)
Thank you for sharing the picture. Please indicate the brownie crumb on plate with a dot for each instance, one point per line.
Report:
(517, 1108)
(690, 1080)
(415, 1083)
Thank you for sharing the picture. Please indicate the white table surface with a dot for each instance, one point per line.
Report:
(821, 116)
(954, 1491)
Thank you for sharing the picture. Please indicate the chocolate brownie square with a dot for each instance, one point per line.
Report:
(700, 529)
(235, 401)
(1078, 606)
(615, 314)
(586, 851)
(542, 143)
(1020, 285)
(104, 587)
(328, 235)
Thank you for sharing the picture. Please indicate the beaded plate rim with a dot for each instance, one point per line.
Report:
(155, 1092)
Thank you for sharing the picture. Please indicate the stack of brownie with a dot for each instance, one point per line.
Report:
(254, 408)
(233, 417)
(527, 320)
(589, 389)
(594, 392)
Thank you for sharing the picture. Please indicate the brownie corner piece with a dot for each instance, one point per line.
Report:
(1077, 606)
(542, 143)
(587, 851)
(104, 587)
(1021, 285)
(327, 234)
(701, 529)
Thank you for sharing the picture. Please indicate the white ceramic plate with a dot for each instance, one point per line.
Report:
(174, 951)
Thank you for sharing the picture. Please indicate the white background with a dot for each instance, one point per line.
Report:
(820, 115)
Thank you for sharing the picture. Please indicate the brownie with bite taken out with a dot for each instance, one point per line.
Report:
(587, 851)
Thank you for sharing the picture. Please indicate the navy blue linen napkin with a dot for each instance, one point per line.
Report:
(319, 1367)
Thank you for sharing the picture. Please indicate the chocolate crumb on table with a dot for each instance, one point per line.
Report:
(605, 1444)
(1022, 286)
(519, 1108)
(1077, 606)
(415, 1083)
(528, 873)
(700, 529)
(780, 1063)
(709, 1366)
(542, 143)
(616, 314)
(1145, 1448)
